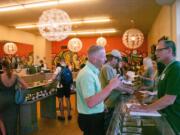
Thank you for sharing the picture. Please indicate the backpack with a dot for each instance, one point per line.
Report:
(66, 76)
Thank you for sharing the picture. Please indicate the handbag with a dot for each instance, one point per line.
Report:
(19, 96)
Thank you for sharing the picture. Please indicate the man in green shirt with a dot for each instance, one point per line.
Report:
(168, 85)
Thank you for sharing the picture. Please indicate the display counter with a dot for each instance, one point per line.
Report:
(38, 90)
(122, 123)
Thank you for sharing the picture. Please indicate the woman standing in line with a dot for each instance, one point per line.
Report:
(8, 107)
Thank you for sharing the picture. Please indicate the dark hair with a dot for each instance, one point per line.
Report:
(109, 57)
(58, 64)
(82, 65)
(170, 44)
(8, 68)
(163, 38)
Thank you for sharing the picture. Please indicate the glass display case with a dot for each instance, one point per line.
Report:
(122, 123)
(38, 91)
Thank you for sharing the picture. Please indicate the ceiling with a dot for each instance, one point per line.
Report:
(121, 12)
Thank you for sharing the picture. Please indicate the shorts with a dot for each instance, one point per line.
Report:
(64, 91)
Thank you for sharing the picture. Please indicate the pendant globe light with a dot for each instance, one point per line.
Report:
(133, 38)
(10, 48)
(54, 25)
(75, 45)
(101, 41)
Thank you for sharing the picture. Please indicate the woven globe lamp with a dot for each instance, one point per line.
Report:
(54, 25)
(10, 48)
(75, 45)
(101, 41)
(133, 38)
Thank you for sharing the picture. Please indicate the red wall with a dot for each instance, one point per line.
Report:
(23, 49)
(112, 43)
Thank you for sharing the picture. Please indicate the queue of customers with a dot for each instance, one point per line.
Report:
(97, 85)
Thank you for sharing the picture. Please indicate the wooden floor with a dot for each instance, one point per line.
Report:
(56, 127)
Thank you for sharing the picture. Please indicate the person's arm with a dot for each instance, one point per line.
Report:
(159, 104)
(2, 128)
(172, 90)
(54, 76)
(23, 84)
(101, 96)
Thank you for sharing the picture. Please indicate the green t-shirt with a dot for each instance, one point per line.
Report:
(168, 84)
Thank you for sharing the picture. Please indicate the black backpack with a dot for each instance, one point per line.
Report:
(65, 76)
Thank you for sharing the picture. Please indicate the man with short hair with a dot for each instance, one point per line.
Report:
(168, 85)
(90, 96)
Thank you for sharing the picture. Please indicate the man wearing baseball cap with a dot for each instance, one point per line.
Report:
(108, 72)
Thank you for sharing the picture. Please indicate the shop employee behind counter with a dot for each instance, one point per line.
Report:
(168, 85)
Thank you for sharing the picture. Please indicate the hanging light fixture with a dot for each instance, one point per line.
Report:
(54, 25)
(75, 45)
(101, 41)
(133, 38)
(10, 48)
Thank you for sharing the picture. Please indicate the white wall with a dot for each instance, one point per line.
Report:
(174, 22)
(11, 34)
(167, 23)
(178, 28)
(41, 47)
(161, 26)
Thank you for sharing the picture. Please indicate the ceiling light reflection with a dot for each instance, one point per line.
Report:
(37, 4)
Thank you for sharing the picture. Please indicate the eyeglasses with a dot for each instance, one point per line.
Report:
(159, 50)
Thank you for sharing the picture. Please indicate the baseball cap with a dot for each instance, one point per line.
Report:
(116, 53)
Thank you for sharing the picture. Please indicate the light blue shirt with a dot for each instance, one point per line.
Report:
(88, 84)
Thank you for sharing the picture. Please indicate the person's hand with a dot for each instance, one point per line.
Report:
(130, 90)
(115, 82)
(139, 108)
